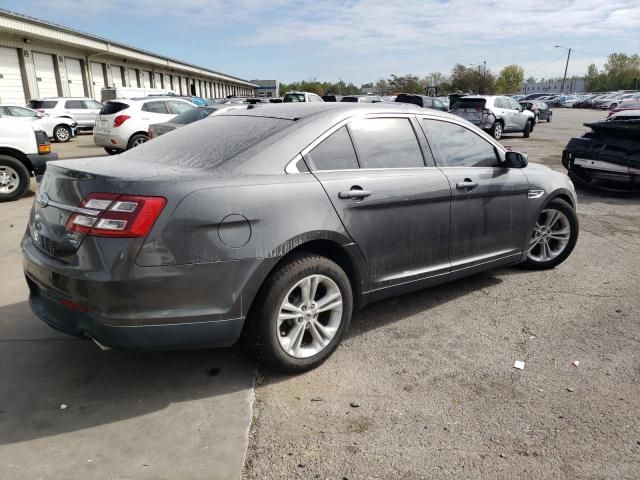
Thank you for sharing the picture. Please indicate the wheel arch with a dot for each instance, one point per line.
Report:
(18, 155)
(346, 255)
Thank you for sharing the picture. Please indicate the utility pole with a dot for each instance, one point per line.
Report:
(566, 66)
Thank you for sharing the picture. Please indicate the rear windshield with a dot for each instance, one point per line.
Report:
(110, 108)
(192, 115)
(349, 99)
(41, 104)
(470, 103)
(413, 99)
(293, 97)
(210, 142)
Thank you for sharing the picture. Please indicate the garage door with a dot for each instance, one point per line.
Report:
(45, 75)
(97, 75)
(117, 73)
(74, 77)
(11, 89)
(146, 79)
(157, 80)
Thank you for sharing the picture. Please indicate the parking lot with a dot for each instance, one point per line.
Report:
(422, 387)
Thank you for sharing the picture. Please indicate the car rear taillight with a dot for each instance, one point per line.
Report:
(120, 119)
(115, 215)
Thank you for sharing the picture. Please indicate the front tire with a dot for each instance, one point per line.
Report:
(527, 129)
(14, 178)
(301, 315)
(62, 134)
(554, 236)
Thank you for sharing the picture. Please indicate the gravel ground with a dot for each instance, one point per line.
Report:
(424, 385)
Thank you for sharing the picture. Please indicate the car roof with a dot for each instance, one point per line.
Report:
(300, 111)
(60, 98)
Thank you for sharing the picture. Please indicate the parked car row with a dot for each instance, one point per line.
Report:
(604, 100)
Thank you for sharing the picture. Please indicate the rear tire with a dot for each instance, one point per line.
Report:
(137, 140)
(527, 129)
(496, 130)
(14, 178)
(273, 338)
(552, 241)
(549, 118)
(62, 134)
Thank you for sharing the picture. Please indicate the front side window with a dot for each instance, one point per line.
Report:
(75, 104)
(155, 107)
(513, 104)
(386, 143)
(334, 153)
(458, 146)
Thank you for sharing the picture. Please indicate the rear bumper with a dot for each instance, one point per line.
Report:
(39, 162)
(218, 333)
(165, 307)
(108, 140)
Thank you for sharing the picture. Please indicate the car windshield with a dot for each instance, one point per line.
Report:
(192, 115)
(350, 99)
(293, 97)
(110, 108)
(41, 104)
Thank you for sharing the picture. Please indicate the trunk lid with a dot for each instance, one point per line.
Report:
(470, 109)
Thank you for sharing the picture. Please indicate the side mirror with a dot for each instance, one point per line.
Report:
(515, 160)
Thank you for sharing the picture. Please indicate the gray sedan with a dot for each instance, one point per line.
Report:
(275, 223)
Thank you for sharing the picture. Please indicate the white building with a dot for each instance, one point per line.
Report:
(41, 59)
(267, 88)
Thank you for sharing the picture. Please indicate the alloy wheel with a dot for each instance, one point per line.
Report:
(9, 179)
(309, 316)
(62, 134)
(139, 141)
(550, 237)
(497, 131)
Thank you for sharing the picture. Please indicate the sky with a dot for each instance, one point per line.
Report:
(357, 40)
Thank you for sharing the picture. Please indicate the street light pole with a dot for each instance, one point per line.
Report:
(565, 67)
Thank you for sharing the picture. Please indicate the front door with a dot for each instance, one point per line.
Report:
(489, 202)
(394, 207)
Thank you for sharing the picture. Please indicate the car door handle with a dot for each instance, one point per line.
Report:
(466, 184)
(356, 193)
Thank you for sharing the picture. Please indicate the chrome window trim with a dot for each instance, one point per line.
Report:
(69, 208)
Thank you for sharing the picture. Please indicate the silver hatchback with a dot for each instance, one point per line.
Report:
(495, 113)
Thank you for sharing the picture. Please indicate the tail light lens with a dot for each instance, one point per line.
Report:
(120, 119)
(123, 216)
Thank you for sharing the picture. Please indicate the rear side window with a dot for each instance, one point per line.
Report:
(92, 104)
(74, 104)
(386, 143)
(110, 108)
(349, 99)
(155, 107)
(438, 104)
(293, 98)
(334, 153)
(20, 112)
(42, 104)
(457, 146)
(475, 103)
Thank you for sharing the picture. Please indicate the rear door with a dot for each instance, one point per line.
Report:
(77, 110)
(489, 202)
(395, 208)
(519, 119)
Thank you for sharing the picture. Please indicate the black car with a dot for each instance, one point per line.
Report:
(276, 222)
(332, 98)
(421, 101)
(541, 110)
(190, 116)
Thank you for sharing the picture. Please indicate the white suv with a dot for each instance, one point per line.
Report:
(61, 129)
(123, 124)
(82, 110)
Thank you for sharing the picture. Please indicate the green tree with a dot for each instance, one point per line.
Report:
(622, 71)
(405, 84)
(531, 80)
(510, 79)
(465, 79)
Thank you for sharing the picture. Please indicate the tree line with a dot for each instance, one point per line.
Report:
(620, 72)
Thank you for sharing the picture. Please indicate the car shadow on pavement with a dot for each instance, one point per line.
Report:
(51, 384)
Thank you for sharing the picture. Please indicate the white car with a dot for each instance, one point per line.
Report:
(612, 103)
(625, 115)
(296, 97)
(79, 109)
(123, 124)
(61, 129)
(24, 152)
